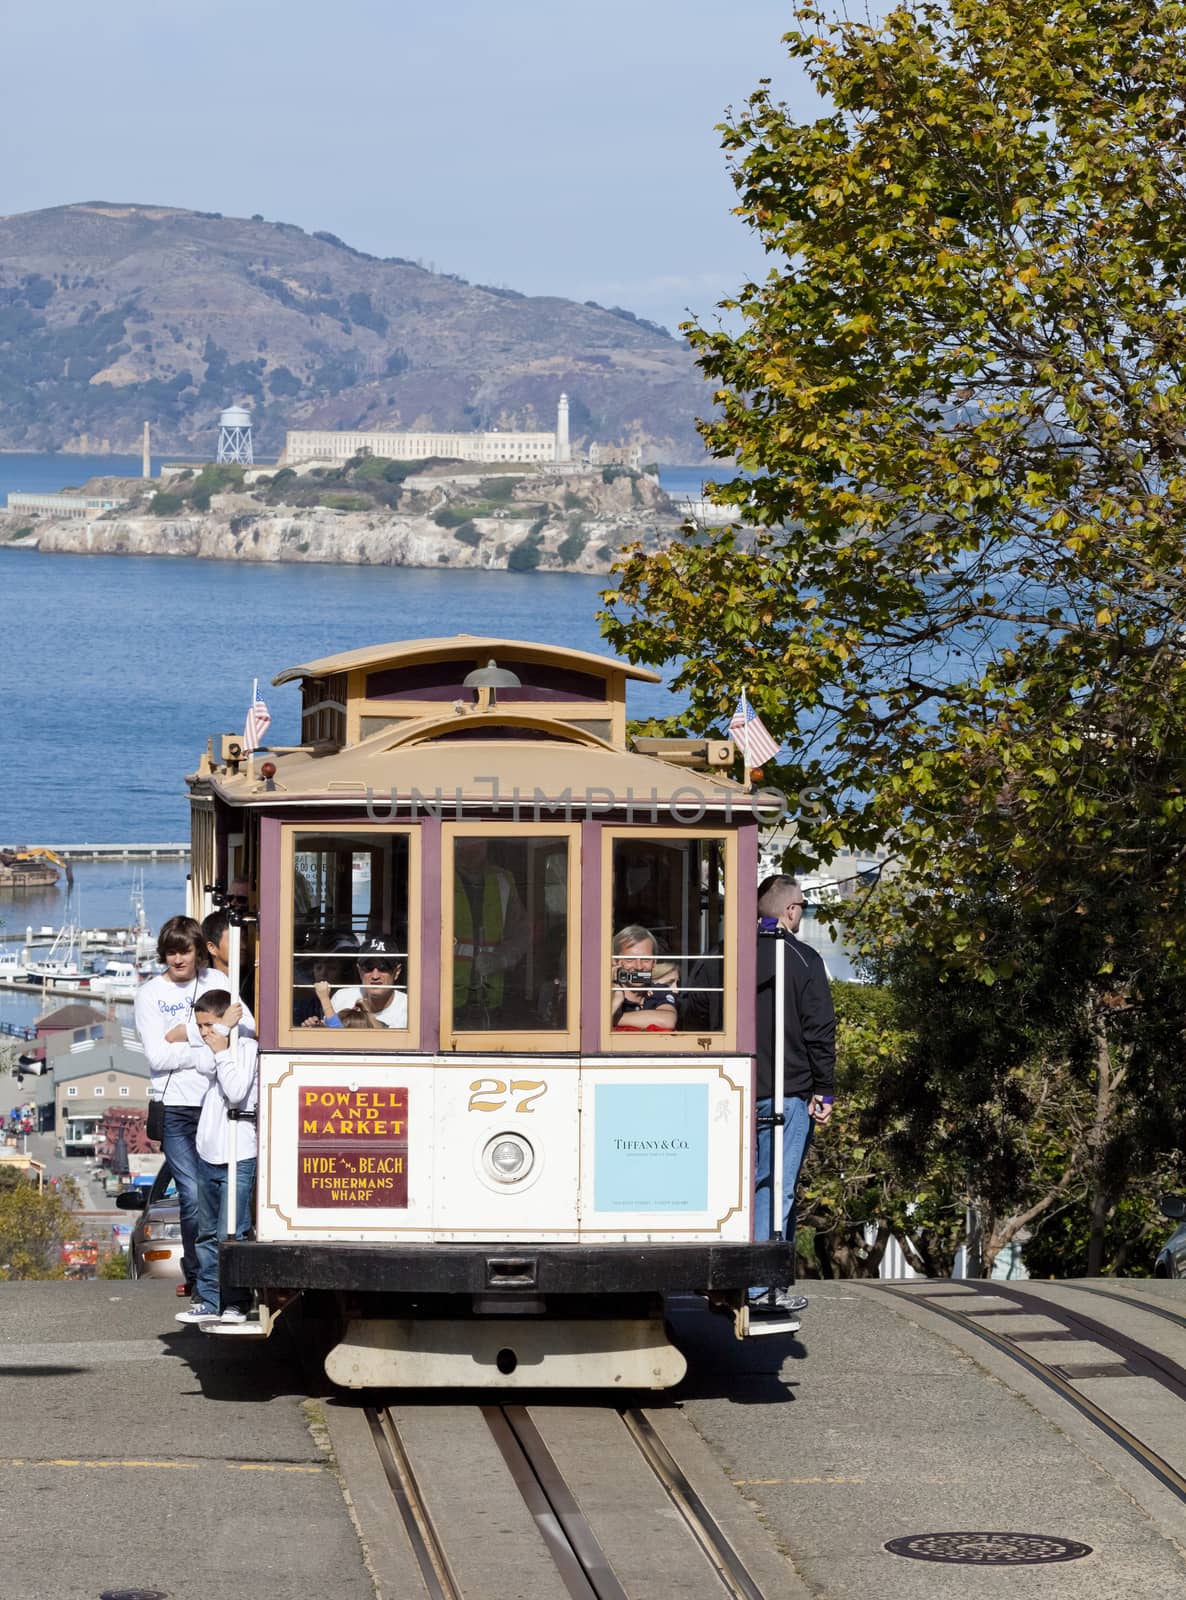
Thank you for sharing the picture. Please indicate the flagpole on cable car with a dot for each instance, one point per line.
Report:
(251, 741)
(747, 781)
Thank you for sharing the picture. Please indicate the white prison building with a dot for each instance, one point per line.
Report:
(301, 446)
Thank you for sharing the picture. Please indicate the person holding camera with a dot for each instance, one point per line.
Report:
(644, 986)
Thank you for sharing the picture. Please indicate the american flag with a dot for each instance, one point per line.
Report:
(750, 735)
(259, 720)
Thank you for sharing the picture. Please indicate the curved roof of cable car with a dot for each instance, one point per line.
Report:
(409, 650)
(422, 759)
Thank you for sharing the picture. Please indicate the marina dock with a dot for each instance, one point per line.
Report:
(114, 852)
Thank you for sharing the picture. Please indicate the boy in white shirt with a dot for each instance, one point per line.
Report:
(235, 1086)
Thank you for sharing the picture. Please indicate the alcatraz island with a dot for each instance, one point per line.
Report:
(521, 501)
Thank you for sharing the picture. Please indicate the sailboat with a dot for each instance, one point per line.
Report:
(61, 966)
(140, 934)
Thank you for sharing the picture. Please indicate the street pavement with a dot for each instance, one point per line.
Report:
(878, 1422)
(139, 1454)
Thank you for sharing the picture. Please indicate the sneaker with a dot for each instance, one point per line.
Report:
(185, 1291)
(198, 1312)
(791, 1303)
(233, 1314)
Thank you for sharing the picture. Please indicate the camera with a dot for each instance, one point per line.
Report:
(629, 978)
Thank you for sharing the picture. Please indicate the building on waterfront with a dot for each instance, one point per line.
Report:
(616, 455)
(61, 506)
(96, 1069)
(332, 447)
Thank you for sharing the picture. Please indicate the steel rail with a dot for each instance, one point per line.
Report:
(1159, 1468)
(704, 1527)
(1127, 1300)
(575, 1550)
(401, 1480)
(1148, 1363)
(571, 1542)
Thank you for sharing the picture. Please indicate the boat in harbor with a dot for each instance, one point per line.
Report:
(26, 867)
(61, 967)
(13, 968)
(118, 980)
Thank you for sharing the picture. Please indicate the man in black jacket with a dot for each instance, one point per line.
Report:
(809, 1054)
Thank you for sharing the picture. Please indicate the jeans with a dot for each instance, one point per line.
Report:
(212, 1227)
(796, 1136)
(179, 1144)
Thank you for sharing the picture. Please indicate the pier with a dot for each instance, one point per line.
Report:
(114, 852)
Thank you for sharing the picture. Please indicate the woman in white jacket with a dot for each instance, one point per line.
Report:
(180, 1067)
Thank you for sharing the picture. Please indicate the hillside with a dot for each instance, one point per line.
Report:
(114, 314)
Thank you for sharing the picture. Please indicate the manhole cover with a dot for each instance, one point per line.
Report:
(988, 1549)
(133, 1594)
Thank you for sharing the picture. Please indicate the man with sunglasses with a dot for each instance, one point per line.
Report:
(378, 970)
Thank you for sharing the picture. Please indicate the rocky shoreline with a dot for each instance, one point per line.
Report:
(575, 524)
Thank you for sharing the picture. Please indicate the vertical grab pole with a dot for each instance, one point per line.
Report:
(234, 946)
(777, 1220)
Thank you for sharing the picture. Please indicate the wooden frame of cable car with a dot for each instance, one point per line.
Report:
(439, 769)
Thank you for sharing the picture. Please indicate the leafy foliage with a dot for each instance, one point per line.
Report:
(525, 556)
(33, 1224)
(957, 584)
(959, 395)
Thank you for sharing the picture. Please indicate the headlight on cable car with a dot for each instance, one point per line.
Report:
(508, 1158)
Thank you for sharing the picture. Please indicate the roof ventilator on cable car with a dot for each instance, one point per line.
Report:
(487, 681)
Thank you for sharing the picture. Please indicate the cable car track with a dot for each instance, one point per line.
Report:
(568, 1534)
(1134, 1358)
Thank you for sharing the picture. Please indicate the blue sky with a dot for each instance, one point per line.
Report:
(525, 144)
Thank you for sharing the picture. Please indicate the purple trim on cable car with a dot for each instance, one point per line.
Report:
(747, 950)
(267, 1013)
(591, 952)
(430, 935)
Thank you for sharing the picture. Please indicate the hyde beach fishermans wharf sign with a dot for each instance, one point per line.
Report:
(352, 1147)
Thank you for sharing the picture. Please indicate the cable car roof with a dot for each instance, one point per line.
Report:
(579, 766)
(409, 650)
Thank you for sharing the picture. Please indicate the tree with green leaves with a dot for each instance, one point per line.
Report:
(959, 399)
(33, 1223)
(956, 586)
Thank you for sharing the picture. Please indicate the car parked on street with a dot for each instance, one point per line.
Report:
(154, 1249)
(1171, 1263)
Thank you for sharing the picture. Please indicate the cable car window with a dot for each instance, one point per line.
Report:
(507, 907)
(667, 957)
(350, 958)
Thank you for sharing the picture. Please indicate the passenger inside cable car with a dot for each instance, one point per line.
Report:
(644, 984)
(508, 912)
(669, 910)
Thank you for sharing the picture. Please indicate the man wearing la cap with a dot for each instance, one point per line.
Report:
(378, 969)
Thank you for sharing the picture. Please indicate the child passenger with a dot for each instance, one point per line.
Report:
(235, 1086)
(179, 1066)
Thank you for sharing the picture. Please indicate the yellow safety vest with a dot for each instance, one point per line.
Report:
(494, 902)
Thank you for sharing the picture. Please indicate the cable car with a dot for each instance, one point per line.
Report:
(498, 952)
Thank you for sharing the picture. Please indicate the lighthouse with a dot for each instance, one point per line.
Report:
(563, 448)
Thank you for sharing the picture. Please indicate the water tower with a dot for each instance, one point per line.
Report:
(234, 437)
